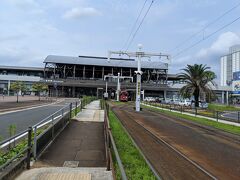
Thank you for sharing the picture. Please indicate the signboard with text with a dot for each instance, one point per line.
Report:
(236, 76)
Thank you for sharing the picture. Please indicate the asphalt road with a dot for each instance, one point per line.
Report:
(29, 117)
(233, 116)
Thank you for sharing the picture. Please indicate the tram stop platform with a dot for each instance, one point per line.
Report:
(77, 153)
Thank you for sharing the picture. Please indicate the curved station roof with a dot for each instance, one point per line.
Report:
(103, 61)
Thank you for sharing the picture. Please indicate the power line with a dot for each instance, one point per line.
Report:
(135, 23)
(193, 45)
(209, 24)
(129, 44)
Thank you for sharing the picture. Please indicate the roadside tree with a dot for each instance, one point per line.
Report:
(18, 87)
(198, 79)
(39, 87)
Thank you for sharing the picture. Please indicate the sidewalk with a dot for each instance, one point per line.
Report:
(79, 151)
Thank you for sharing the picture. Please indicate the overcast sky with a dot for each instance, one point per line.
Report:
(32, 29)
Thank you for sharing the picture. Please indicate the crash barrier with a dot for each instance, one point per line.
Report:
(32, 142)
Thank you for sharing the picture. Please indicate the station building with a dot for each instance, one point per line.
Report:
(74, 76)
(69, 76)
(9, 74)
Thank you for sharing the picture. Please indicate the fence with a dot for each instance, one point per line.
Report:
(203, 112)
(110, 145)
(33, 141)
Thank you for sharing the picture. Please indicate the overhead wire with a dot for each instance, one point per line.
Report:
(135, 23)
(129, 44)
(206, 37)
(205, 27)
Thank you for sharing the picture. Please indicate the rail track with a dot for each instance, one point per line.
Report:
(184, 166)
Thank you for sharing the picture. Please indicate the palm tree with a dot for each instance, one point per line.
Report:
(198, 79)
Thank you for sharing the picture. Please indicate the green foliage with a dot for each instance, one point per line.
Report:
(4, 157)
(39, 87)
(17, 87)
(204, 121)
(133, 162)
(12, 130)
(198, 78)
(220, 107)
(13, 151)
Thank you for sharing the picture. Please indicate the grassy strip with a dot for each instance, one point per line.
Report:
(134, 164)
(204, 121)
(220, 107)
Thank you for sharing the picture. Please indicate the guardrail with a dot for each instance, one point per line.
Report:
(110, 145)
(36, 139)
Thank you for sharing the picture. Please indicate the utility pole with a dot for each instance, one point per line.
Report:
(118, 77)
(139, 54)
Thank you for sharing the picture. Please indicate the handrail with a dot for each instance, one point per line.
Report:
(30, 149)
(50, 116)
(123, 174)
(109, 138)
(12, 138)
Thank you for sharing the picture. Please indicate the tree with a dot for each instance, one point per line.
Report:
(39, 87)
(18, 87)
(198, 79)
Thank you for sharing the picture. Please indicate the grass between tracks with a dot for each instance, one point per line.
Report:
(134, 164)
(203, 121)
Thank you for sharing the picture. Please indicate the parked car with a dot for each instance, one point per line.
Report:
(202, 104)
(150, 99)
(166, 101)
(185, 102)
(174, 101)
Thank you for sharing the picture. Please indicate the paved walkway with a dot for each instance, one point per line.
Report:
(78, 149)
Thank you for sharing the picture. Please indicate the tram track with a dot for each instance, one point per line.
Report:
(192, 170)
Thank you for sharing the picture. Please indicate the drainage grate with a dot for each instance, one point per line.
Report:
(71, 164)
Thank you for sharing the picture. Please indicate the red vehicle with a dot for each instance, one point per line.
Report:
(123, 96)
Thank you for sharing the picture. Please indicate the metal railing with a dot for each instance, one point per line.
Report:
(200, 112)
(36, 139)
(110, 145)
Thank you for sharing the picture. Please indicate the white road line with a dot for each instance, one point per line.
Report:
(3, 113)
(24, 134)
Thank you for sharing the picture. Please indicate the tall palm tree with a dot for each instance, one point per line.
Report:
(198, 79)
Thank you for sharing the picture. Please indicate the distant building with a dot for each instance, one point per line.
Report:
(9, 74)
(230, 63)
